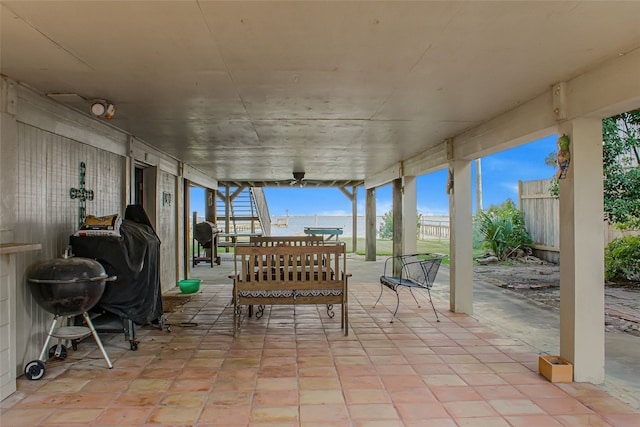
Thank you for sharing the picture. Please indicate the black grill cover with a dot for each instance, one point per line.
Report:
(135, 259)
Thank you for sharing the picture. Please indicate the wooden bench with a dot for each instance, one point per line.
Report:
(290, 275)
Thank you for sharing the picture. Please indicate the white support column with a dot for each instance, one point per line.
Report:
(398, 238)
(581, 252)
(409, 216)
(460, 218)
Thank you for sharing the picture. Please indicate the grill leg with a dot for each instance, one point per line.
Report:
(97, 339)
(44, 352)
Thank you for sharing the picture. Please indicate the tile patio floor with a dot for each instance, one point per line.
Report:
(301, 371)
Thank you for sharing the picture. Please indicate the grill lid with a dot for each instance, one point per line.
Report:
(67, 269)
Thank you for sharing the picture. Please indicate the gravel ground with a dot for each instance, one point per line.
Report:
(540, 281)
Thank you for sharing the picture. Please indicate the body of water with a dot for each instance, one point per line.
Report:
(294, 225)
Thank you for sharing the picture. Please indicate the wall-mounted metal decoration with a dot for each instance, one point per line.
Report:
(564, 156)
(166, 198)
(82, 193)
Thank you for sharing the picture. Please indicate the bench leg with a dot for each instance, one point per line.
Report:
(414, 298)
(330, 311)
(379, 296)
(397, 300)
(433, 306)
(236, 319)
(397, 306)
(345, 311)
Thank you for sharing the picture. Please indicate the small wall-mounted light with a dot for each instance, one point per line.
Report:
(103, 108)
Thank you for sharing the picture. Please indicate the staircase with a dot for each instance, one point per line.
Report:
(243, 210)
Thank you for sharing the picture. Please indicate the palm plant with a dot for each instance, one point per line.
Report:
(503, 230)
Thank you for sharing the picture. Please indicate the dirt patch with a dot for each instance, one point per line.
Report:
(540, 281)
(173, 302)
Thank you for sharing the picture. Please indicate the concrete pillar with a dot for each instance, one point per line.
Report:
(409, 216)
(182, 256)
(461, 223)
(370, 225)
(186, 224)
(582, 252)
(398, 220)
(354, 219)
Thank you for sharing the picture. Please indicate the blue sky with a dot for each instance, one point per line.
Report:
(500, 175)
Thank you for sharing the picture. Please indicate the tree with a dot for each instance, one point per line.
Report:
(386, 227)
(621, 160)
(621, 136)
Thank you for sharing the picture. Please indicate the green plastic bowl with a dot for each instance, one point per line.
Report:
(189, 286)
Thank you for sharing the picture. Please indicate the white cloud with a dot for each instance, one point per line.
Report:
(432, 211)
(512, 187)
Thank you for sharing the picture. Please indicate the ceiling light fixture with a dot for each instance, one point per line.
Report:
(103, 108)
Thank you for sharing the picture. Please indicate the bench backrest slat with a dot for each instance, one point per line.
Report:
(285, 240)
(283, 264)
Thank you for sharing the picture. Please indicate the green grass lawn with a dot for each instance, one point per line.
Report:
(384, 247)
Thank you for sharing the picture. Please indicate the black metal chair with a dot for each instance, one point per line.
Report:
(417, 271)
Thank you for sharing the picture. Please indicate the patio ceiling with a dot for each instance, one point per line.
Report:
(254, 91)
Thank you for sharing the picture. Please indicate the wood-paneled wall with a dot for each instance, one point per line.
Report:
(166, 229)
(48, 166)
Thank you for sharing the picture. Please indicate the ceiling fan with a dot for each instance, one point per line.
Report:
(298, 178)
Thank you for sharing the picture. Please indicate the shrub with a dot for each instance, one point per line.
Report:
(503, 229)
(622, 259)
(386, 227)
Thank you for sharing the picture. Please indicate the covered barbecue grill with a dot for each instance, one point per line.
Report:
(66, 287)
(205, 243)
(134, 257)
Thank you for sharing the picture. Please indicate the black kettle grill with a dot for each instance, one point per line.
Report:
(66, 287)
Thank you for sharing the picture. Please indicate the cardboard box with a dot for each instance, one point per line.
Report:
(555, 369)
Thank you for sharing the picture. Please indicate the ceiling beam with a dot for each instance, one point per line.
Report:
(198, 178)
(384, 177)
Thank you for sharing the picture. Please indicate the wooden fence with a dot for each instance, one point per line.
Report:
(542, 218)
(433, 228)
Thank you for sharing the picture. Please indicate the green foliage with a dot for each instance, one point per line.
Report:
(478, 238)
(386, 227)
(620, 163)
(552, 161)
(620, 155)
(622, 259)
(503, 229)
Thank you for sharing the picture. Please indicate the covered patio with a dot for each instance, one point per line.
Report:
(300, 370)
(157, 97)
